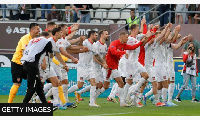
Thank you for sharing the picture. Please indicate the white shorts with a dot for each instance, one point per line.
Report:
(84, 74)
(122, 67)
(99, 76)
(161, 73)
(171, 73)
(134, 69)
(45, 74)
(114, 74)
(179, 7)
(152, 73)
(60, 72)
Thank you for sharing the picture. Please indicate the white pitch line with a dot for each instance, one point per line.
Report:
(135, 112)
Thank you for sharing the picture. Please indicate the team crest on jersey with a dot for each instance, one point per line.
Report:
(41, 77)
(164, 77)
(25, 46)
(81, 78)
(130, 76)
(153, 78)
(60, 43)
(18, 79)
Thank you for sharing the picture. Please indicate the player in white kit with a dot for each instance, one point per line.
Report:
(85, 70)
(133, 66)
(101, 49)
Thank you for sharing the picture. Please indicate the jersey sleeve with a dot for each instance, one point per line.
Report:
(24, 43)
(48, 47)
(96, 48)
(114, 51)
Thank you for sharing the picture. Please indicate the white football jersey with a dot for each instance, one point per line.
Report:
(132, 54)
(54, 47)
(34, 47)
(149, 54)
(101, 50)
(160, 59)
(63, 42)
(169, 54)
(86, 59)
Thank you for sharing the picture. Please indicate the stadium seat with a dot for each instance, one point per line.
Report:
(95, 21)
(38, 13)
(1, 13)
(105, 5)
(5, 19)
(108, 21)
(91, 13)
(118, 5)
(121, 22)
(98, 15)
(113, 15)
(42, 20)
(125, 15)
(95, 5)
(32, 20)
(132, 6)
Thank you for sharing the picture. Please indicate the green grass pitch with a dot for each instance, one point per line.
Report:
(184, 108)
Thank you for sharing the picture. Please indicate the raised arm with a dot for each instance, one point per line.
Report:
(181, 43)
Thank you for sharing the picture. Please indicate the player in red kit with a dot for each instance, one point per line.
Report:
(115, 51)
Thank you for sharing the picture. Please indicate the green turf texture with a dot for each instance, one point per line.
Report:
(184, 108)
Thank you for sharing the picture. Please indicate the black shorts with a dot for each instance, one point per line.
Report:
(191, 14)
(17, 72)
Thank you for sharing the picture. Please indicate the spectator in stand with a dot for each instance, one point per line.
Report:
(144, 7)
(33, 6)
(179, 16)
(13, 13)
(66, 17)
(196, 45)
(85, 15)
(3, 12)
(133, 17)
(75, 12)
(162, 9)
(45, 6)
(191, 7)
(173, 14)
(24, 12)
(197, 16)
(60, 6)
(54, 15)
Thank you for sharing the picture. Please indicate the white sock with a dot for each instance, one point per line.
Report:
(98, 92)
(115, 91)
(65, 90)
(140, 96)
(149, 93)
(86, 89)
(92, 94)
(47, 87)
(102, 89)
(73, 89)
(130, 91)
(156, 98)
(112, 90)
(49, 93)
(126, 88)
(121, 96)
(164, 95)
(139, 84)
(55, 95)
(171, 91)
(159, 94)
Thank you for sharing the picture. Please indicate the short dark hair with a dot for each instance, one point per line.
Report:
(51, 23)
(101, 32)
(92, 32)
(133, 10)
(134, 26)
(52, 6)
(61, 25)
(122, 33)
(44, 33)
(33, 25)
(55, 30)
